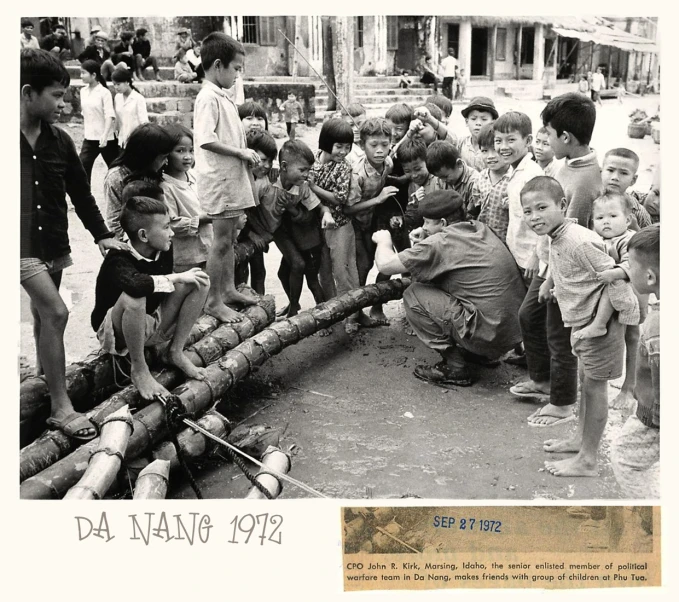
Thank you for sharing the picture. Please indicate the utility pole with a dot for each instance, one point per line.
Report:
(343, 57)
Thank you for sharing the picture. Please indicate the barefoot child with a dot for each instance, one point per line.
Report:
(298, 233)
(612, 218)
(577, 256)
(50, 168)
(139, 302)
(635, 453)
(293, 112)
(479, 112)
(192, 228)
(329, 180)
(222, 175)
(367, 190)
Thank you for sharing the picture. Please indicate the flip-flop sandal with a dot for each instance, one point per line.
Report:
(559, 420)
(73, 423)
(529, 394)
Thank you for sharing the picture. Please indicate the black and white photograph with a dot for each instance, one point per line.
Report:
(359, 256)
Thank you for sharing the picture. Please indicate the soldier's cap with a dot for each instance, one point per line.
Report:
(442, 203)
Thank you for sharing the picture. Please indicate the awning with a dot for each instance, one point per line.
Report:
(609, 36)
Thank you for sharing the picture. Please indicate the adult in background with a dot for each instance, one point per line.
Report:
(598, 83)
(28, 40)
(449, 66)
(97, 51)
(466, 292)
(122, 55)
(142, 55)
(57, 43)
(185, 40)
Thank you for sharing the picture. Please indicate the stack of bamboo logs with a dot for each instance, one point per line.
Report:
(53, 465)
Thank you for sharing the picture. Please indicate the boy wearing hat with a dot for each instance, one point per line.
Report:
(466, 291)
(479, 112)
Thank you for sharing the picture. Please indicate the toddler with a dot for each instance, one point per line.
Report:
(293, 113)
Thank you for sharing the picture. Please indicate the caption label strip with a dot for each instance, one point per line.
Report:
(515, 546)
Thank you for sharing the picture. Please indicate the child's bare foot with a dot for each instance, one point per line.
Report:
(223, 313)
(623, 400)
(181, 361)
(378, 317)
(550, 415)
(241, 298)
(351, 326)
(367, 322)
(149, 388)
(324, 332)
(572, 467)
(293, 310)
(590, 332)
(560, 446)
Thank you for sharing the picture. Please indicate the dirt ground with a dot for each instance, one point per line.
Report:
(360, 424)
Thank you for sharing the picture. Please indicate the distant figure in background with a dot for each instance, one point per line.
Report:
(129, 104)
(98, 52)
(123, 54)
(142, 55)
(193, 56)
(294, 114)
(449, 66)
(404, 80)
(28, 40)
(182, 69)
(598, 83)
(620, 89)
(184, 40)
(583, 85)
(429, 75)
(57, 43)
(461, 85)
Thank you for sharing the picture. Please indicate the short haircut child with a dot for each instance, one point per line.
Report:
(514, 121)
(126, 36)
(355, 109)
(412, 150)
(218, 45)
(141, 32)
(441, 154)
(334, 131)
(263, 142)
(250, 108)
(486, 137)
(442, 103)
(646, 243)
(623, 153)
(573, 113)
(26, 22)
(142, 188)
(295, 150)
(136, 211)
(400, 114)
(40, 69)
(436, 113)
(375, 126)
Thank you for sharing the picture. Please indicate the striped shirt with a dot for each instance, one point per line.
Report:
(494, 203)
(576, 256)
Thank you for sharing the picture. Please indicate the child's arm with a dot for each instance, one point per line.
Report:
(387, 192)
(244, 154)
(142, 113)
(109, 120)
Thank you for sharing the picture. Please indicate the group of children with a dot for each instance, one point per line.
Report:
(178, 201)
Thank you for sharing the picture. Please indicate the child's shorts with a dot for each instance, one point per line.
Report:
(227, 214)
(601, 358)
(153, 335)
(31, 266)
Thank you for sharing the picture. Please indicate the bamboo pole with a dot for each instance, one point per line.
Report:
(51, 446)
(106, 460)
(91, 381)
(199, 395)
(153, 481)
(274, 459)
(192, 443)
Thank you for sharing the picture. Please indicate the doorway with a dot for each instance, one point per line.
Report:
(405, 53)
(479, 62)
(454, 38)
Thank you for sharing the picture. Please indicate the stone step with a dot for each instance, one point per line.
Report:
(166, 73)
(374, 92)
(168, 117)
(171, 104)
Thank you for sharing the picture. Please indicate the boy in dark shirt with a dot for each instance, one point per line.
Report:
(50, 168)
(143, 58)
(139, 302)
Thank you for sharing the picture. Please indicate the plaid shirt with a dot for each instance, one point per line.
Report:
(470, 155)
(466, 189)
(366, 184)
(576, 256)
(639, 212)
(49, 172)
(333, 177)
(494, 203)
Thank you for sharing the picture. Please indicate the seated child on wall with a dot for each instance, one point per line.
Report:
(139, 301)
(183, 72)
